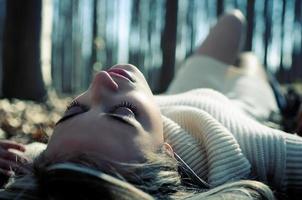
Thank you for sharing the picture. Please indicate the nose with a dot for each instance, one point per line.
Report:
(103, 85)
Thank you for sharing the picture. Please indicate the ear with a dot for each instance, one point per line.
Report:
(168, 149)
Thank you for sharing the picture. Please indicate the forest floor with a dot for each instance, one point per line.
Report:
(27, 121)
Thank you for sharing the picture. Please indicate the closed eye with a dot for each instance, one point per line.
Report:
(123, 106)
(124, 120)
(75, 108)
(72, 110)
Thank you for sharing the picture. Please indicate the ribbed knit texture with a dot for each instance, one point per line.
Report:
(221, 143)
(294, 159)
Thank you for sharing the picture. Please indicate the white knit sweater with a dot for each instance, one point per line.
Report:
(221, 143)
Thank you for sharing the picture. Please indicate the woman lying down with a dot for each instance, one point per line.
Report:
(119, 141)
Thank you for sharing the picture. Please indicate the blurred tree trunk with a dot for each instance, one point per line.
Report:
(111, 39)
(300, 56)
(190, 24)
(22, 77)
(297, 51)
(250, 24)
(94, 34)
(134, 33)
(268, 24)
(220, 7)
(281, 71)
(298, 11)
(282, 33)
(168, 44)
(2, 22)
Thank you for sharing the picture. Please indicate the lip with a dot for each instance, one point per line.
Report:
(120, 73)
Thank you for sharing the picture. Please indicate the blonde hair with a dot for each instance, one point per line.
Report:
(158, 177)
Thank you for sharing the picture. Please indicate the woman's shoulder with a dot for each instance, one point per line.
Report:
(208, 92)
(200, 95)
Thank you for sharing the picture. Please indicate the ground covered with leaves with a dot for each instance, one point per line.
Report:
(28, 121)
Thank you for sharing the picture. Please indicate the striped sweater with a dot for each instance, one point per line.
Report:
(221, 143)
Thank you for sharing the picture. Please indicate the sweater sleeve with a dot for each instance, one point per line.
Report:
(293, 173)
(275, 156)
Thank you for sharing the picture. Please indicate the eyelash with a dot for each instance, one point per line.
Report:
(76, 104)
(127, 104)
(68, 114)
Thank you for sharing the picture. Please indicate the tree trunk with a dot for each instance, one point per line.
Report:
(268, 24)
(133, 37)
(22, 76)
(250, 24)
(168, 44)
(220, 7)
(2, 22)
(297, 51)
(281, 66)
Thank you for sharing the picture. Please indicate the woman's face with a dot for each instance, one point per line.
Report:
(116, 118)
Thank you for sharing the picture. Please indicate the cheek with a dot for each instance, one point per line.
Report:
(158, 129)
(58, 140)
(150, 110)
(156, 118)
(155, 121)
